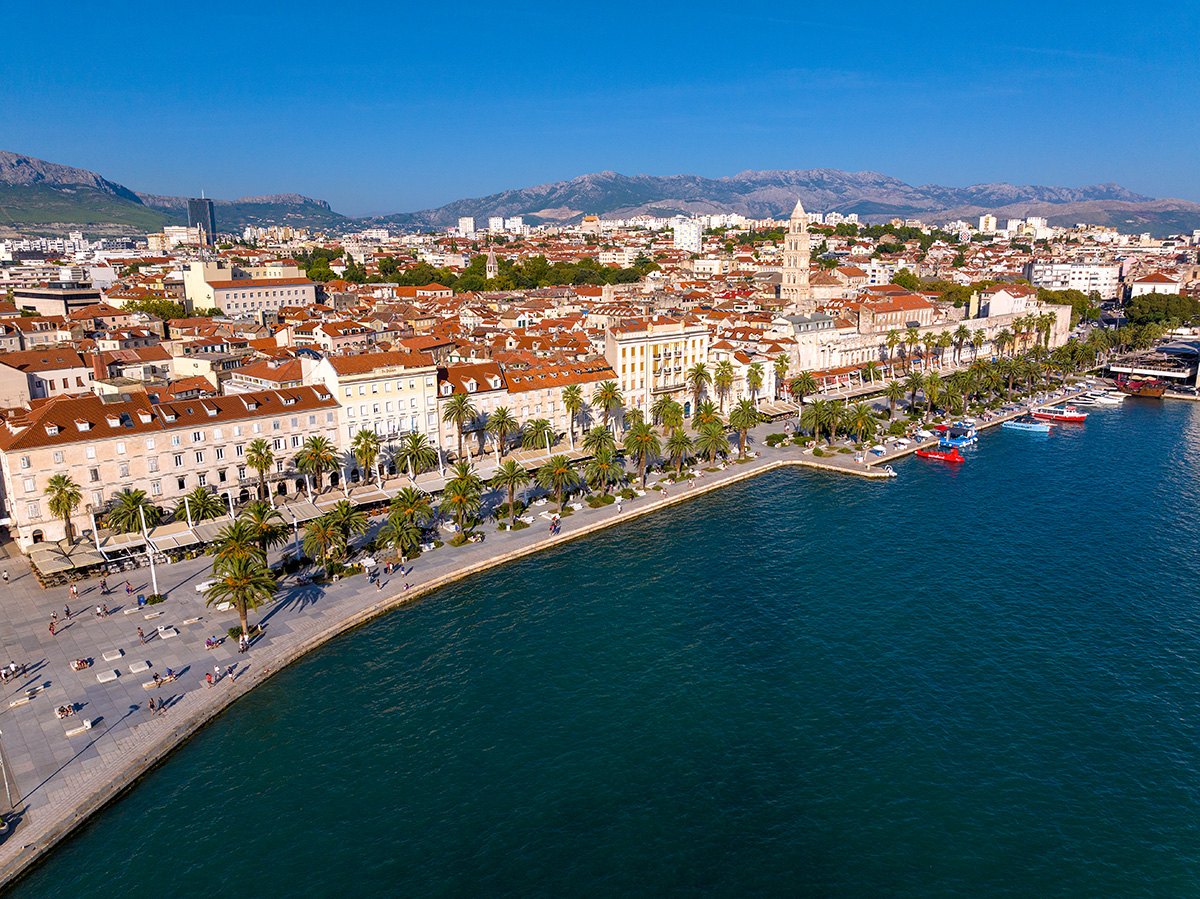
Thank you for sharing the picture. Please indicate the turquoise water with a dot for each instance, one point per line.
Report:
(964, 682)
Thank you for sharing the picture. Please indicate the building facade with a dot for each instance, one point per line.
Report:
(794, 289)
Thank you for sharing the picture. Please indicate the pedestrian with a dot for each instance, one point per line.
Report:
(104, 610)
(103, 587)
(6, 575)
(128, 589)
(153, 708)
(99, 614)
(229, 671)
(67, 612)
(162, 706)
(216, 672)
(209, 676)
(74, 592)
(378, 586)
(51, 628)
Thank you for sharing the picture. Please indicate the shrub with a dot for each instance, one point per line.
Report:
(236, 631)
(518, 525)
(458, 539)
(819, 453)
(799, 439)
(776, 439)
(154, 599)
(844, 449)
(502, 509)
(629, 494)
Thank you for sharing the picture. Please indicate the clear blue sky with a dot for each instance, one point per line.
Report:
(391, 107)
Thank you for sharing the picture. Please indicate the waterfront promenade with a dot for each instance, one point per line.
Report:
(55, 781)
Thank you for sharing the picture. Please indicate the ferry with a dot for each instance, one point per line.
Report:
(1027, 423)
(1059, 413)
(952, 456)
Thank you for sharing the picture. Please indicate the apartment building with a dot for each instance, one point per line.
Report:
(651, 357)
(1083, 276)
(537, 392)
(487, 387)
(128, 441)
(37, 374)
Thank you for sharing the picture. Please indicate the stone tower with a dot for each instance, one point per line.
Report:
(492, 267)
(794, 289)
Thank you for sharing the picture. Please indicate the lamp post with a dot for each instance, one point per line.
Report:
(4, 772)
(149, 550)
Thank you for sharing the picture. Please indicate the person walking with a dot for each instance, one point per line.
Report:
(6, 575)
(51, 627)
(74, 591)
(141, 636)
(128, 589)
(162, 706)
(103, 587)
(216, 673)
(209, 677)
(152, 707)
(67, 612)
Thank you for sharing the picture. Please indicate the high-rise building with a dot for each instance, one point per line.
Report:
(202, 216)
(794, 287)
(466, 226)
(689, 236)
(496, 223)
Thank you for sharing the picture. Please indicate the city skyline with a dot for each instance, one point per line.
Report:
(417, 109)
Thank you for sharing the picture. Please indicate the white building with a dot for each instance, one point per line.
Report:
(1154, 283)
(496, 224)
(987, 224)
(651, 358)
(1084, 276)
(466, 226)
(794, 288)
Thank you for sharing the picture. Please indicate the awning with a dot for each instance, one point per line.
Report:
(172, 536)
(207, 531)
(118, 542)
(299, 512)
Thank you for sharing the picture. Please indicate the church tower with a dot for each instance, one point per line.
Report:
(491, 267)
(794, 288)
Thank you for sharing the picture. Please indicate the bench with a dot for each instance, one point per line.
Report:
(139, 667)
(150, 615)
(113, 654)
(132, 611)
(224, 606)
(166, 633)
(16, 702)
(191, 621)
(82, 729)
(107, 676)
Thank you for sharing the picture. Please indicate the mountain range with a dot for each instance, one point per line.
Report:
(39, 197)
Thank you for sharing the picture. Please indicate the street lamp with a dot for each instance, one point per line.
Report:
(149, 549)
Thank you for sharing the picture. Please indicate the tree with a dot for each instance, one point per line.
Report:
(599, 439)
(834, 415)
(871, 369)
(604, 469)
(608, 398)
(397, 531)
(416, 453)
(723, 381)
(316, 457)
(893, 338)
(461, 496)
(126, 516)
(912, 339)
(459, 412)
(349, 521)
(932, 388)
(558, 475)
(913, 383)
(814, 416)
(246, 583)
(742, 418)
(501, 423)
(412, 505)
(236, 542)
(697, 379)
(804, 384)
(321, 536)
(202, 504)
(511, 477)
(537, 435)
(712, 441)
(572, 398)
(906, 279)
(267, 525)
(861, 422)
(642, 445)
(894, 393)
(754, 380)
(782, 364)
(706, 414)
(961, 335)
(366, 452)
(65, 497)
(679, 448)
(261, 459)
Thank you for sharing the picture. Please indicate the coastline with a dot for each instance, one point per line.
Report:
(152, 742)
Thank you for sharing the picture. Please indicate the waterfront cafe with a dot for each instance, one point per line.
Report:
(1174, 362)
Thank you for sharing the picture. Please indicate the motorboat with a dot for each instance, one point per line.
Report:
(953, 455)
(1059, 413)
(1100, 398)
(1027, 423)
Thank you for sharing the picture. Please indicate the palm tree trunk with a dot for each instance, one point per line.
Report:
(245, 619)
(512, 512)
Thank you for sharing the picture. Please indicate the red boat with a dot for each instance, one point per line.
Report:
(1059, 413)
(1142, 387)
(953, 456)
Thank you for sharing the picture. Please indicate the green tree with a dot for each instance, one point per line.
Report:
(202, 503)
(246, 583)
(65, 497)
(603, 469)
(459, 412)
(321, 538)
(236, 542)
(572, 398)
(679, 448)
(906, 279)
(861, 422)
(813, 417)
(607, 397)
(416, 453)
(782, 364)
(913, 383)
(500, 424)
(412, 505)
(754, 380)
(511, 477)
(125, 517)
(697, 378)
(742, 418)
(642, 445)
(706, 414)
(712, 441)
(365, 448)
(599, 439)
(537, 435)
(723, 381)
(804, 384)
(267, 525)
(261, 459)
(317, 456)
(894, 393)
(559, 476)
(349, 521)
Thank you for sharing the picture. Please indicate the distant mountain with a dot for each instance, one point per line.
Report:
(773, 194)
(40, 197)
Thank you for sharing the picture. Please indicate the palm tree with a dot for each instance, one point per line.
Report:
(316, 457)
(930, 342)
(65, 497)
(572, 397)
(412, 505)
(537, 434)
(861, 421)
(511, 477)
(558, 475)
(698, 377)
(742, 418)
(944, 342)
(834, 415)
(782, 364)
(349, 521)
(267, 524)
(932, 388)
(459, 411)
(954, 400)
(366, 452)
(912, 339)
(893, 338)
(977, 343)
(599, 439)
(502, 422)
(236, 542)
(679, 448)
(813, 417)
(706, 414)
(913, 383)
(126, 516)
(712, 441)
(659, 408)
(603, 469)
(642, 445)
(1003, 339)
(608, 398)
(754, 380)
(260, 457)
(961, 335)
(321, 536)
(461, 498)
(723, 381)
(894, 393)
(399, 532)
(871, 369)
(246, 583)
(416, 453)
(202, 503)
(804, 384)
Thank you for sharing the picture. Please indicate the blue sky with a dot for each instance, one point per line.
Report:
(392, 107)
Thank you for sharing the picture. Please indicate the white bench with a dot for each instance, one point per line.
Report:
(139, 667)
(152, 615)
(107, 676)
(224, 606)
(113, 654)
(17, 702)
(132, 611)
(82, 729)
(166, 633)
(191, 621)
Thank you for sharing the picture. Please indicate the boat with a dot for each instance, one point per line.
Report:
(1059, 413)
(1142, 387)
(1100, 398)
(952, 456)
(1027, 423)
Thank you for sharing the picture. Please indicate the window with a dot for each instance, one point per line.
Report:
(275, 425)
(182, 483)
(350, 411)
(312, 419)
(178, 460)
(277, 443)
(217, 435)
(221, 476)
(349, 392)
(34, 510)
(203, 479)
(120, 447)
(220, 453)
(258, 427)
(30, 485)
(295, 422)
(90, 452)
(237, 430)
(241, 449)
(94, 475)
(328, 418)
(279, 467)
(123, 470)
(241, 473)
(149, 443)
(375, 387)
(295, 440)
(156, 488)
(58, 457)
(362, 389)
(152, 463)
(387, 388)
(24, 461)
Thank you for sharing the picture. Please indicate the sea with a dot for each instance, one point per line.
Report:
(971, 681)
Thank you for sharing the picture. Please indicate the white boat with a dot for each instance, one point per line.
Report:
(1100, 398)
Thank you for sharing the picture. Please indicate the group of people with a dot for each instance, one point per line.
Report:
(156, 709)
